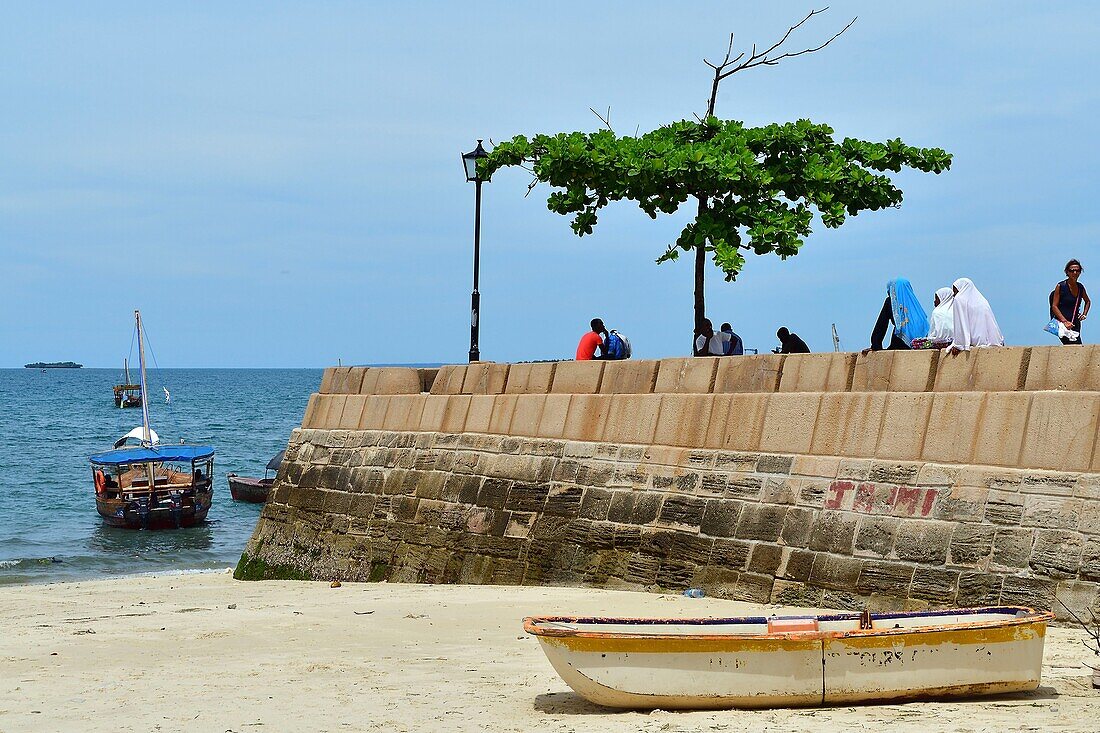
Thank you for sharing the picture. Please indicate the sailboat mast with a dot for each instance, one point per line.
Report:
(126, 369)
(146, 438)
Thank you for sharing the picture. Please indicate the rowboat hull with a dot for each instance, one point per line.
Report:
(254, 490)
(190, 510)
(738, 663)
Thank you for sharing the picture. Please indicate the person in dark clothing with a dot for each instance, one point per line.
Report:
(792, 344)
(878, 334)
(704, 332)
(733, 346)
(1067, 299)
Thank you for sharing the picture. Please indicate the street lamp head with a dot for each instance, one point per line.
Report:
(469, 162)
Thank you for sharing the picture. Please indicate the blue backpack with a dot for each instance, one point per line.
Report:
(618, 346)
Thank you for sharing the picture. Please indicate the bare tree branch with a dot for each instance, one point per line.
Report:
(605, 120)
(767, 57)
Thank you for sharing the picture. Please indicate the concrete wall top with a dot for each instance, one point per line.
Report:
(981, 370)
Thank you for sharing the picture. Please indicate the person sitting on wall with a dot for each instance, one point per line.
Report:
(732, 344)
(792, 344)
(592, 342)
(704, 333)
(903, 310)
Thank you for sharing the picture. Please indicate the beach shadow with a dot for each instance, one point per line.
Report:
(569, 703)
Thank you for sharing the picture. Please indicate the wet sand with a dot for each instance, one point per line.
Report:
(207, 653)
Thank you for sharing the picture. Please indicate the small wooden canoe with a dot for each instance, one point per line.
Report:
(756, 662)
(244, 488)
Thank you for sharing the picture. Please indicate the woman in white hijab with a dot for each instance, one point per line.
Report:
(973, 323)
(941, 326)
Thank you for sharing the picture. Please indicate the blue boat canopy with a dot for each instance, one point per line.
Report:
(141, 454)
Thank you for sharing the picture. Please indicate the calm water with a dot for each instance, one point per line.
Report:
(50, 422)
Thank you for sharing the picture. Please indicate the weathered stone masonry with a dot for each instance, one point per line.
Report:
(658, 475)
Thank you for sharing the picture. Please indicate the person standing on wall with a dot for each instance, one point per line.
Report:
(593, 345)
(1069, 301)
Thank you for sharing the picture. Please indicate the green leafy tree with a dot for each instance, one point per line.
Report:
(758, 188)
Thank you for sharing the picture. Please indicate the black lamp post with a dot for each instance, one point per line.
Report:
(469, 162)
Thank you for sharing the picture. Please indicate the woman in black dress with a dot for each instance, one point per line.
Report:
(1069, 301)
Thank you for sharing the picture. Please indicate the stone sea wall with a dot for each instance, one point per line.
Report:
(892, 480)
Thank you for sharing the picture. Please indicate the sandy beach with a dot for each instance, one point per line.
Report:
(207, 653)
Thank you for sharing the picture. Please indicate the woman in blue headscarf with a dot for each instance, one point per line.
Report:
(902, 308)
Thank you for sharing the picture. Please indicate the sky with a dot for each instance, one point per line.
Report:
(280, 184)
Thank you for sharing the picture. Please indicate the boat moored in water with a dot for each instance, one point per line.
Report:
(255, 490)
(150, 485)
(757, 662)
(127, 394)
(154, 487)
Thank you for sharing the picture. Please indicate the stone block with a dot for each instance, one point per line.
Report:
(760, 373)
(1004, 507)
(504, 408)
(952, 427)
(742, 425)
(720, 517)
(314, 410)
(848, 424)
(346, 380)
(694, 375)
(372, 411)
(961, 504)
(577, 377)
(1090, 560)
(888, 578)
(587, 416)
(631, 418)
(1061, 431)
(449, 379)
(1051, 512)
(982, 370)
(1052, 367)
(403, 412)
(328, 378)
(1035, 593)
(1001, 428)
(837, 573)
(390, 380)
(1081, 598)
(789, 422)
(904, 418)
(834, 532)
(761, 522)
(828, 372)
(629, 376)
(876, 535)
(431, 417)
(595, 504)
(923, 541)
(682, 511)
(979, 589)
(333, 409)
(555, 411)
(684, 420)
(815, 466)
(485, 378)
(795, 593)
(480, 413)
(935, 585)
(797, 525)
(454, 414)
(1057, 553)
(1012, 547)
(533, 378)
(894, 371)
(527, 415)
(765, 559)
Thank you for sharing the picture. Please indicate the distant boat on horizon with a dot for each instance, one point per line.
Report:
(53, 365)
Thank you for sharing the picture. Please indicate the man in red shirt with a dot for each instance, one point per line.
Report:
(593, 341)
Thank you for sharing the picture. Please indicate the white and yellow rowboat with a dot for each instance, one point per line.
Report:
(756, 662)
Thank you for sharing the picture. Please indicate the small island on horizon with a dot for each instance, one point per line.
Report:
(53, 365)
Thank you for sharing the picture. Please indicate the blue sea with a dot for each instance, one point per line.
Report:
(52, 420)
